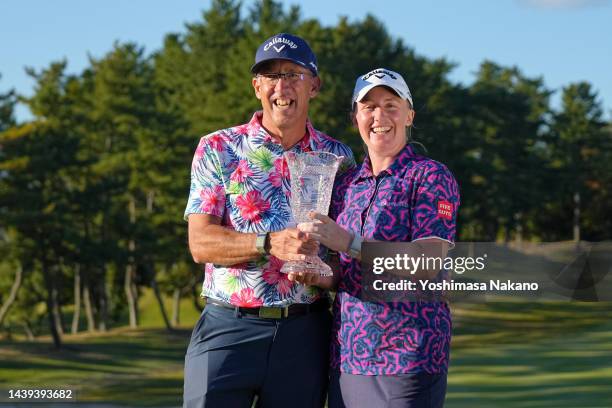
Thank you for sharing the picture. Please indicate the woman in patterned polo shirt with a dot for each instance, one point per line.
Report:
(387, 354)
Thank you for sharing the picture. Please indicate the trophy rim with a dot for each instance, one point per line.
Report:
(314, 152)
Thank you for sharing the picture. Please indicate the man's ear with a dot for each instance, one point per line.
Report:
(315, 86)
(256, 87)
(410, 119)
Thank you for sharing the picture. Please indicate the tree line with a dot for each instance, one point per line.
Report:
(93, 187)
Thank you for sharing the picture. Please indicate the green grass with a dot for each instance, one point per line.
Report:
(151, 317)
(503, 355)
(141, 367)
(532, 355)
(136, 367)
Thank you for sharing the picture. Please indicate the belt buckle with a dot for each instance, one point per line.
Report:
(273, 312)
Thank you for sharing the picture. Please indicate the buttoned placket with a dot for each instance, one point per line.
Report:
(377, 180)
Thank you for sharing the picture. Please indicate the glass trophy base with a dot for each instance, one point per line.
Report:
(312, 264)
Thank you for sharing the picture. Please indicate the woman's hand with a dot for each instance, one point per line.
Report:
(314, 279)
(327, 232)
(306, 278)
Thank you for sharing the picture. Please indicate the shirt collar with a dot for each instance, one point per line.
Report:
(258, 135)
(397, 166)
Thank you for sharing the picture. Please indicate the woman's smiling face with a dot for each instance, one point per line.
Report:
(382, 117)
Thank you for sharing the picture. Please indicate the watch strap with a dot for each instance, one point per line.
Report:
(260, 242)
(355, 247)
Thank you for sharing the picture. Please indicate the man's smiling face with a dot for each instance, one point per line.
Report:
(285, 102)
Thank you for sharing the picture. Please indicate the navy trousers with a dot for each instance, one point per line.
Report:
(233, 357)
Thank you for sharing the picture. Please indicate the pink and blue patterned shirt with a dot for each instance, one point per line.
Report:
(415, 198)
(239, 174)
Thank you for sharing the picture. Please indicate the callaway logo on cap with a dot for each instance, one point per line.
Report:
(381, 77)
(287, 47)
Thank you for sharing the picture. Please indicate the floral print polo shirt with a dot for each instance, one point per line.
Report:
(239, 174)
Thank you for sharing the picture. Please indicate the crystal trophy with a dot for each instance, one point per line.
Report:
(312, 180)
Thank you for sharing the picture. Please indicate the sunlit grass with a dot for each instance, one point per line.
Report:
(532, 355)
(503, 355)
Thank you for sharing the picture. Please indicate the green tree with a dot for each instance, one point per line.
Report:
(508, 115)
(191, 68)
(38, 161)
(122, 112)
(581, 153)
(11, 267)
(7, 106)
(31, 196)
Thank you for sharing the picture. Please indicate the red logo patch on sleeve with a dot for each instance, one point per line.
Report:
(445, 210)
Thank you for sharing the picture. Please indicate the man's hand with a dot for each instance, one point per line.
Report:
(292, 244)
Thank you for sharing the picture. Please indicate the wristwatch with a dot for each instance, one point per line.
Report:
(260, 242)
(355, 248)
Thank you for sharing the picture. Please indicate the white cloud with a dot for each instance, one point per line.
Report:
(563, 4)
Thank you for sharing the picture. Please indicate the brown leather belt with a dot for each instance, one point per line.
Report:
(268, 312)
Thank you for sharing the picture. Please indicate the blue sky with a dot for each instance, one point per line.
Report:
(562, 40)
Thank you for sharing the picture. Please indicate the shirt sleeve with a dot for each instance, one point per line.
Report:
(435, 205)
(207, 191)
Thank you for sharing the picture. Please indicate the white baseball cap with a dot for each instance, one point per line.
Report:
(381, 77)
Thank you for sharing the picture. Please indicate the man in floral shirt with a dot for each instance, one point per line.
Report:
(260, 333)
